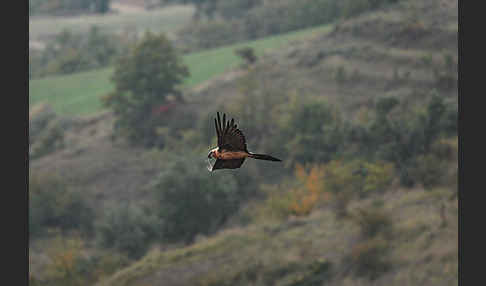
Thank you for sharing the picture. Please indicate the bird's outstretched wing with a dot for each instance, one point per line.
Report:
(228, 164)
(229, 136)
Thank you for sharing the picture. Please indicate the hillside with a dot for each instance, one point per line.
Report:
(317, 250)
(403, 51)
(392, 52)
(372, 50)
(80, 93)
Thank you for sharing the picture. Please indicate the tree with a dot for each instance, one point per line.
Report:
(314, 131)
(146, 89)
(191, 201)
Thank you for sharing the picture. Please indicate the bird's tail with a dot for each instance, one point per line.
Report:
(264, 157)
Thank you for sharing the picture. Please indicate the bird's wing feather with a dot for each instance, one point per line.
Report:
(229, 136)
(228, 164)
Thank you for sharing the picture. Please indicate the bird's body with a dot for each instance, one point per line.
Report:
(231, 151)
(227, 155)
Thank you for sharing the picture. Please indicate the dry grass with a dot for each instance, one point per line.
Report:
(421, 253)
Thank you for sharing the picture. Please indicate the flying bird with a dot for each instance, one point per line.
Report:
(231, 151)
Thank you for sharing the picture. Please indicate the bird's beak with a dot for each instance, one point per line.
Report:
(210, 166)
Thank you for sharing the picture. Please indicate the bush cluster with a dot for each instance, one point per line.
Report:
(69, 53)
(263, 18)
(395, 139)
(369, 255)
(313, 132)
(53, 205)
(191, 202)
(128, 229)
(46, 131)
(68, 263)
(401, 141)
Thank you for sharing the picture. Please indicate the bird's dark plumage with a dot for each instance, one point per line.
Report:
(232, 149)
(228, 164)
(229, 136)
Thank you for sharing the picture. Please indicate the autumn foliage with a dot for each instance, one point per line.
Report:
(310, 190)
(336, 182)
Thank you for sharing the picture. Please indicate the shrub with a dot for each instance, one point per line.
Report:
(39, 116)
(247, 54)
(373, 221)
(378, 176)
(69, 264)
(46, 131)
(49, 140)
(394, 137)
(128, 229)
(310, 190)
(341, 177)
(342, 182)
(52, 204)
(314, 132)
(340, 75)
(445, 74)
(191, 201)
(369, 257)
(66, 263)
(277, 204)
(445, 149)
(336, 182)
(340, 203)
(105, 264)
(429, 170)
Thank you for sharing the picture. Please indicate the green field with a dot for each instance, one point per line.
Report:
(79, 94)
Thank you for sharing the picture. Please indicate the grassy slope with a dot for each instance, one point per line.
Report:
(79, 94)
(422, 253)
(72, 94)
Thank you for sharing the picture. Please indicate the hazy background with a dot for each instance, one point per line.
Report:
(357, 97)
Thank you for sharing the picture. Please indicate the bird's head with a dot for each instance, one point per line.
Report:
(212, 156)
(212, 153)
